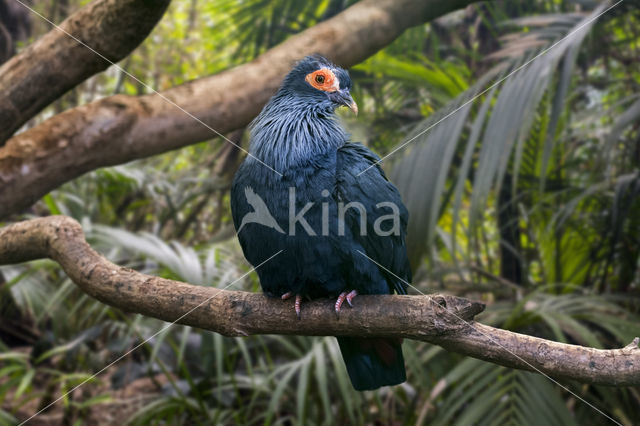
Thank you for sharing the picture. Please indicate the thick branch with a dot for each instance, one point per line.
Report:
(54, 64)
(443, 320)
(121, 128)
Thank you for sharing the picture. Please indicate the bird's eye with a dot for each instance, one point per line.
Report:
(323, 79)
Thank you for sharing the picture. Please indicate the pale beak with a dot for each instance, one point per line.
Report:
(353, 106)
(343, 97)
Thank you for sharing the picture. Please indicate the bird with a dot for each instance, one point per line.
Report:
(344, 222)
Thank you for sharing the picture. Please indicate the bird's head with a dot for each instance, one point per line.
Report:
(297, 125)
(316, 81)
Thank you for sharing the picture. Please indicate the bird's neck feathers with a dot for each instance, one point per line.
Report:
(292, 133)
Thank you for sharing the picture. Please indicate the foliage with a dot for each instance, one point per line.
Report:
(517, 155)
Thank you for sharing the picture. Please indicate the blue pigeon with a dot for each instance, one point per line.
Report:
(340, 225)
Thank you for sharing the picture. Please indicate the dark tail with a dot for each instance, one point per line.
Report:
(373, 362)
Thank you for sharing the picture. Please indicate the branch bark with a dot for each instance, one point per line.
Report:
(440, 319)
(55, 63)
(121, 128)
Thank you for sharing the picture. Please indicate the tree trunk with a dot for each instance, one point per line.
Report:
(60, 60)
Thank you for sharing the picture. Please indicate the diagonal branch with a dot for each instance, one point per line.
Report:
(55, 63)
(440, 319)
(119, 129)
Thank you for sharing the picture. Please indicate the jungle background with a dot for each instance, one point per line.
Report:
(527, 197)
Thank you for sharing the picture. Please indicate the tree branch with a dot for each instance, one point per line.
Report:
(121, 128)
(55, 63)
(440, 319)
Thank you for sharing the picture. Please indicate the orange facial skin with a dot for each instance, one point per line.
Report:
(323, 79)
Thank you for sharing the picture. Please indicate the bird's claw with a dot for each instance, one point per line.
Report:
(352, 294)
(297, 304)
(345, 296)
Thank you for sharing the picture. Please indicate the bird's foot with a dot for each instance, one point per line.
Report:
(345, 296)
(297, 303)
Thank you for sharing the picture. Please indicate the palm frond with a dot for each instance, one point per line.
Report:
(422, 172)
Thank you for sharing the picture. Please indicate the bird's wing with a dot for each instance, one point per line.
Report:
(370, 189)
